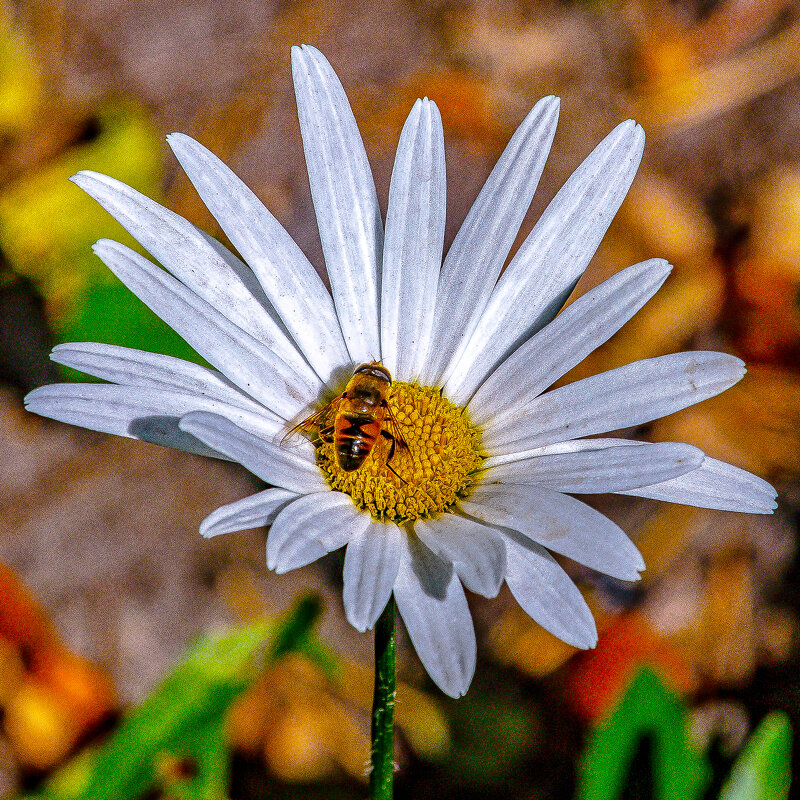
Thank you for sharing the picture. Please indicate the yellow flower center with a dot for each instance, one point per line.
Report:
(438, 467)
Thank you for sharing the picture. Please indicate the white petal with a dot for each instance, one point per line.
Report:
(620, 398)
(578, 330)
(599, 467)
(412, 250)
(371, 562)
(560, 523)
(199, 262)
(477, 552)
(141, 412)
(252, 366)
(310, 527)
(482, 244)
(129, 367)
(546, 593)
(715, 484)
(547, 266)
(254, 511)
(345, 200)
(571, 446)
(270, 462)
(289, 281)
(434, 608)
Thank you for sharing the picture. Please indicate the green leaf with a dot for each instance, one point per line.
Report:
(207, 748)
(184, 715)
(197, 694)
(648, 708)
(763, 769)
(109, 312)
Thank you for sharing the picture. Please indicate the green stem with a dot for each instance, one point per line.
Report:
(382, 775)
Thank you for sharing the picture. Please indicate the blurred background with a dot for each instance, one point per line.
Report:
(133, 661)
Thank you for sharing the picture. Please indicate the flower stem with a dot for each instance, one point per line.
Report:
(382, 774)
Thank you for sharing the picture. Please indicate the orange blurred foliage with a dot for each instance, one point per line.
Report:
(597, 678)
(51, 697)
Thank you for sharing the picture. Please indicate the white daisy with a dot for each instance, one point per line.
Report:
(483, 491)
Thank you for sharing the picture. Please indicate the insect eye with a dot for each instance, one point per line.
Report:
(375, 371)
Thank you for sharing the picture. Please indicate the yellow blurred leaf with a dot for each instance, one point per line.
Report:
(47, 225)
(20, 81)
(39, 726)
(728, 642)
(418, 716)
(775, 222)
(665, 220)
(703, 94)
(516, 640)
(311, 728)
(663, 536)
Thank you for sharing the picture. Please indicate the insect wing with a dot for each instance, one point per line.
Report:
(311, 425)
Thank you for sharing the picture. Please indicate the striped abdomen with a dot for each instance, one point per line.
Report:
(354, 437)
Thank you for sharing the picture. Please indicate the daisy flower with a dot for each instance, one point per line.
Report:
(482, 492)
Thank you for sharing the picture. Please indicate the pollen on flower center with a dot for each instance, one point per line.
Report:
(438, 467)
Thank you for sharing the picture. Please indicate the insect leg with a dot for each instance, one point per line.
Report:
(388, 436)
(394, 427)
(326, 434)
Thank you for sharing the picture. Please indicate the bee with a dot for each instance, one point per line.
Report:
(355, 419)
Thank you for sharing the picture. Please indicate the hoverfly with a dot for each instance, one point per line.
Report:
(355, 419)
